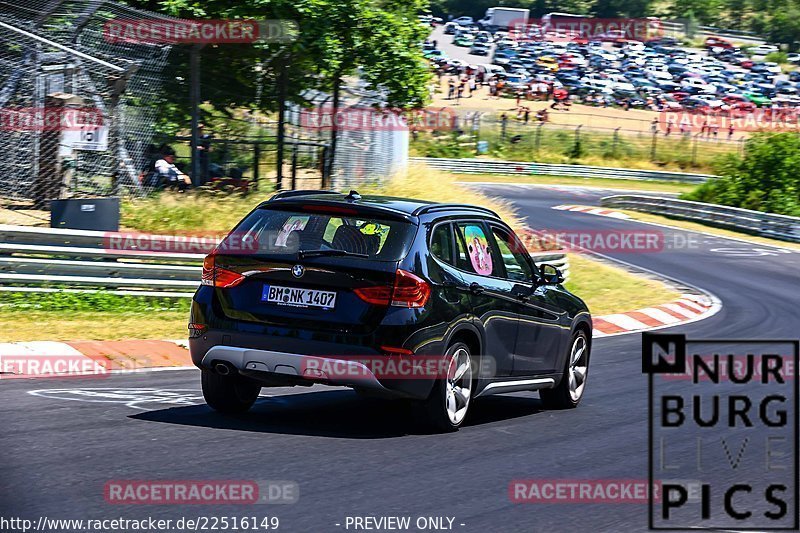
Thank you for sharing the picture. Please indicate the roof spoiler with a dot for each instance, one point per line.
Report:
(303, 192)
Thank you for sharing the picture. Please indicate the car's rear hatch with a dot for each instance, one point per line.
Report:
(312, 269)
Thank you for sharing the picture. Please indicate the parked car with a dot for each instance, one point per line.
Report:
(340, 286)
(758, 99)
(479, 49)
(762, 50)
(451, 28)
(464, 21)
(718, 42)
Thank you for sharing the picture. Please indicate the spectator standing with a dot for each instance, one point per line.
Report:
(204, 152)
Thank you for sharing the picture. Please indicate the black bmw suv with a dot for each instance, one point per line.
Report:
(437, 303)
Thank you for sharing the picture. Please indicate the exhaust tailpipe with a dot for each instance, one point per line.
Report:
(222, 369)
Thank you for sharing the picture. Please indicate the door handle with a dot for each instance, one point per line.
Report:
(475, 288)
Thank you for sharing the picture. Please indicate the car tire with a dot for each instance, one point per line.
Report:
(447, 406)
(569, 392)
(228, 394)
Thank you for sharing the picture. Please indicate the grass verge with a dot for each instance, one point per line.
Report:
(202, 212)
(196, 212)
(90, 316)
(87, 325)
(72, 317)
(608, 289)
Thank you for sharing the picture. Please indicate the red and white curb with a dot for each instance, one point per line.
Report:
(688, 308)
(97, 358)
(90, 358)
(592, 210)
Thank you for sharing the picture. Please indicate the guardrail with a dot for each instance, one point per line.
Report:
(521, 168)
(673, 29)
(781, 227)
(45, 260)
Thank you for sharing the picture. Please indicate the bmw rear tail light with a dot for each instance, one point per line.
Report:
(216, 276)
(408, 290)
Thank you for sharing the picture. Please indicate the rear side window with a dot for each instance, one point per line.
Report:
(283, 233)
(475, 246)
(442, 243)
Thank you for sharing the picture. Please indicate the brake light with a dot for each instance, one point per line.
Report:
(329, 209)
(380, 295)
(409, 290)
(217, 276)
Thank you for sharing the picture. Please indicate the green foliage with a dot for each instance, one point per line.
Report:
(777, 57)
(199, 212)
(89, 302)
(765, 179)
(336, 38)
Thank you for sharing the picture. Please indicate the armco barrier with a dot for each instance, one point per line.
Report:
(781, 227)
(521, 168)
(44, 259)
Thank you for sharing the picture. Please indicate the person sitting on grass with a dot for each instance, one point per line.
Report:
(169, 175)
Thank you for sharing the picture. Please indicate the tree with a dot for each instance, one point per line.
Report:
(621, 8)
(765, 179)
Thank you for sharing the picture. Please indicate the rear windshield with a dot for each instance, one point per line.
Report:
(282, 234)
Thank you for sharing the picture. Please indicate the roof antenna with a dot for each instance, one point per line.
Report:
(353, 195)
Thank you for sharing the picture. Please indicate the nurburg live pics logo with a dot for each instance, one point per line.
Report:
(722, 433)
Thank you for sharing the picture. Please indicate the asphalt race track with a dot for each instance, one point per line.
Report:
(62, 440)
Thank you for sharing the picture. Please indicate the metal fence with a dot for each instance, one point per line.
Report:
(517, 168)
(586, 138)
(44, 260)
(54, 58)
(765, 224)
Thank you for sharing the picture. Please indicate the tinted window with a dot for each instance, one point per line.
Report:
(282, 233)
(513, 254)
(442, 243)
(479, 258)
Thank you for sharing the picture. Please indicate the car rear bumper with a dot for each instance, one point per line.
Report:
(282, 368)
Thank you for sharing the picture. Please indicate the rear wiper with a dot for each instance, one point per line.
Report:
(302, 254)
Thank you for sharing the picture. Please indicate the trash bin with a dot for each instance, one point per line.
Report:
(99, 214)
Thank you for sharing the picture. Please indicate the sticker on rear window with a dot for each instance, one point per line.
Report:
(478, 248)
(293, 223)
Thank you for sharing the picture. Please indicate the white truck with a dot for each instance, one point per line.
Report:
(505, 18)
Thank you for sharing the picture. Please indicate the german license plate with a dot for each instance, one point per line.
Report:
(295, 297)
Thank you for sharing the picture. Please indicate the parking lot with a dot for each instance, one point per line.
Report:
(658, 75)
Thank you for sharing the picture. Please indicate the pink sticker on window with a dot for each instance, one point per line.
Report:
(478, 248)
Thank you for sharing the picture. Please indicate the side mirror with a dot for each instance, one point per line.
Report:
(550, 275)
